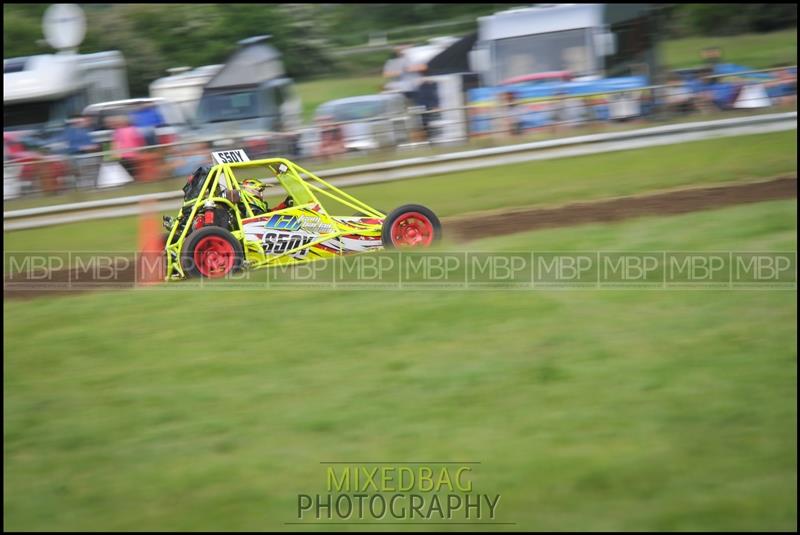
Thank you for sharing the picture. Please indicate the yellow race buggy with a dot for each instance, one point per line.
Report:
(220, 228)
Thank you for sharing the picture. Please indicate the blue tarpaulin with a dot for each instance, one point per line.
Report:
(525, 95)
(532, 109)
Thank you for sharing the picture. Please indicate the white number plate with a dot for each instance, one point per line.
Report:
(230, 156)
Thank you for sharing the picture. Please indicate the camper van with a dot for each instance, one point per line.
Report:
(590, 41)
(563, 63)
(249, 97)
(184, 87)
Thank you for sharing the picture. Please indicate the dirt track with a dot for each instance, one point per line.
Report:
(481, 225)
(71, 281)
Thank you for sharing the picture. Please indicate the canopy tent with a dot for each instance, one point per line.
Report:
(255, 62)
(453, 59)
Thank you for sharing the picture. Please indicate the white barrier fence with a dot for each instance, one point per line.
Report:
(35, 171)
(421, 166)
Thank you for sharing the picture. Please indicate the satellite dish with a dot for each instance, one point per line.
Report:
(64, 26)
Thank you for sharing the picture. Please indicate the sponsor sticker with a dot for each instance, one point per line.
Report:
(276, 242)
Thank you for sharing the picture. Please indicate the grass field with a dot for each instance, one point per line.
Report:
(650, 410)
(544, 182)
(759, 51)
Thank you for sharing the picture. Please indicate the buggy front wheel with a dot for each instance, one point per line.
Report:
(411, 225)
(211, 252)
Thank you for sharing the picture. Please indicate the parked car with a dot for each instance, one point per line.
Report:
(369, 122)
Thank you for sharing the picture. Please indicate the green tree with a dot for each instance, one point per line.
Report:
(154, 37)
(731, 19)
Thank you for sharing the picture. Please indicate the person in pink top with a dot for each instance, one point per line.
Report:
(126, 138)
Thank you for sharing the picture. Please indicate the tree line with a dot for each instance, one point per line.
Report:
(155, 37)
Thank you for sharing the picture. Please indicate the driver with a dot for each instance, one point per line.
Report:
(253, 191)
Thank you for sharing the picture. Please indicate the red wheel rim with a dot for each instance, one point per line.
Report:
(412, 229)
(214, 256)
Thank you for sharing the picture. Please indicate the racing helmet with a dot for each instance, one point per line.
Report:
(253, 190)
(253, 187)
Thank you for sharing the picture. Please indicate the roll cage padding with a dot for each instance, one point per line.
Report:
(195, 182)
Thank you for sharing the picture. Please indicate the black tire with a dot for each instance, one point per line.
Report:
(192, 240)
(395, 214)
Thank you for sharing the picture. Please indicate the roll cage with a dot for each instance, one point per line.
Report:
(221, 188)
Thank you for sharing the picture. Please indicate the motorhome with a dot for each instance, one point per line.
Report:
(41, 92)
(601, 55)
(591, 41)
(184, 87)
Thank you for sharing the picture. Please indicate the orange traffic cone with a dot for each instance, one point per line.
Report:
(150, 260)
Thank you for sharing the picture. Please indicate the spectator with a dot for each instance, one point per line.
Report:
(403, 76)
(78, 138)
(428, 97)
(572, 112)
(566, 111)
(784, 87)
(125, 140)
(713, 94)
(393, 70)
(509, 115)
(711, 56)
(331, 138)
(677, 96)
(147, 115)
(647, 102)
(147, 118)
(704, 98)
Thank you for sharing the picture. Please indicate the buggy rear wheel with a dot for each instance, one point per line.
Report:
(211, 252)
